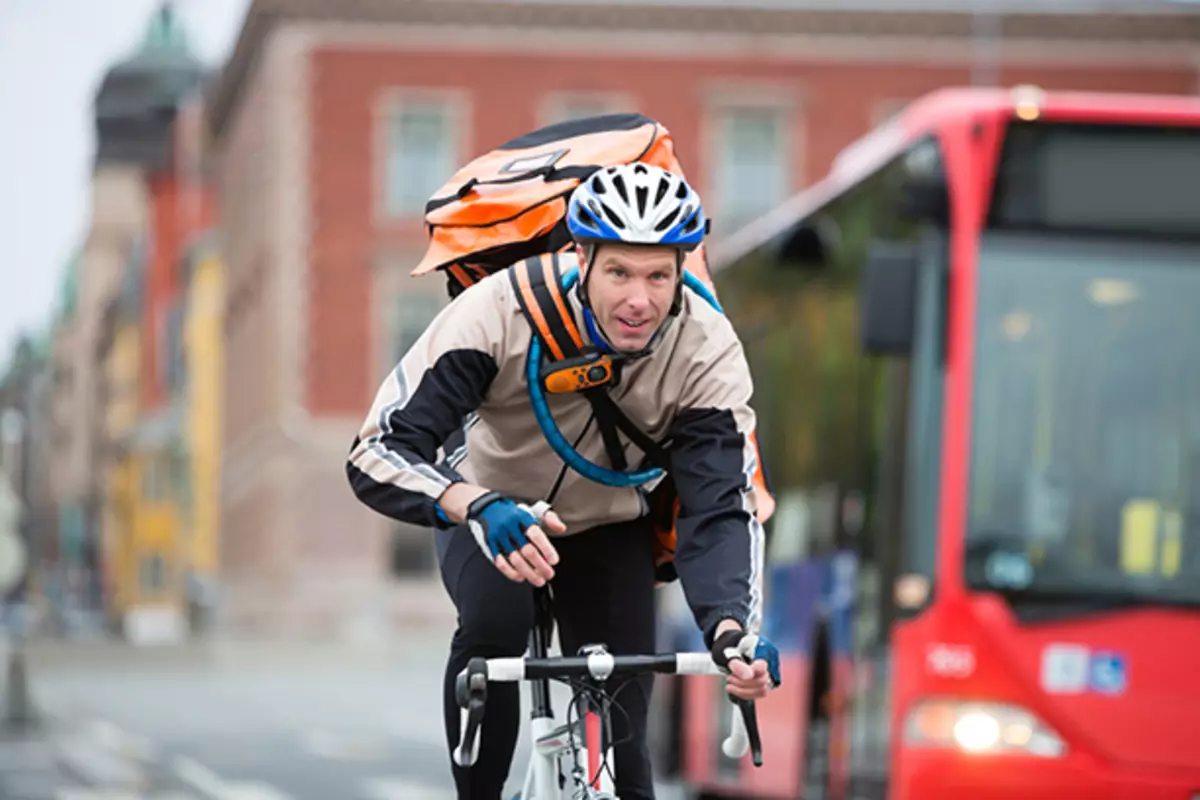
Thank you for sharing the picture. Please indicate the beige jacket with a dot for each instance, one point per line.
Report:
(467, 373)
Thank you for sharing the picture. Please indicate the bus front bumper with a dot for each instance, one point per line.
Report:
(934, 775)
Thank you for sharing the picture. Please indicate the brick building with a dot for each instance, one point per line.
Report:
(333, 123)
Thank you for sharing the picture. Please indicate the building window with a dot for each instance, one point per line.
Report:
(421, 138)
(412, 312)
(172, 367)
(564, 106)
(751, 167)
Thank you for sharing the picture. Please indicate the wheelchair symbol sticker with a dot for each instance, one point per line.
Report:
(1108, 673)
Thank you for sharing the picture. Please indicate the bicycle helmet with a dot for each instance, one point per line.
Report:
(637, 204)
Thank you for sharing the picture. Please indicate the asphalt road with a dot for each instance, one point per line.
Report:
(238, 722)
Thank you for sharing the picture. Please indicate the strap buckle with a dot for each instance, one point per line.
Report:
(587, 371)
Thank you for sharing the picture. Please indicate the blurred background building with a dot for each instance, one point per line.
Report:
(243, 285)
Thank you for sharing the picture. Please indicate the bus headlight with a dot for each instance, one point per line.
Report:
(981, 728)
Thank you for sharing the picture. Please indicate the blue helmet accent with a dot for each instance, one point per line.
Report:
(594, 333)
(637, 204)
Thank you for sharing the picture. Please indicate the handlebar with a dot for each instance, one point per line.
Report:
(471, 690)
(743, 733)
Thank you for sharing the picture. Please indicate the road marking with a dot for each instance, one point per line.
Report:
(54, 705)
(198, 777)
(253, 791)
(403, 789)
(92, 763)
(115, 794)
(210, 785)
(122, 741)
(346, 747)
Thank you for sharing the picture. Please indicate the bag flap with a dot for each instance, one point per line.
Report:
(519, 191)
(450, 244)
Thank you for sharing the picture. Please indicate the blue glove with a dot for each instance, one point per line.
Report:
(499, 525)
(748, 647)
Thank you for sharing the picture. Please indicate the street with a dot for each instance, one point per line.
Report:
(238, 722)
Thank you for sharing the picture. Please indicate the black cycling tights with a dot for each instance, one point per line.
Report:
(603, 592)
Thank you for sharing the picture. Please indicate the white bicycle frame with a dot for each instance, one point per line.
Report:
(554, 742)
(557, 746)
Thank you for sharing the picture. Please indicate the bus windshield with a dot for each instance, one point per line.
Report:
(1085, 456)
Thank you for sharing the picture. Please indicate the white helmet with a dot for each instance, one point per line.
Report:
(637, 204)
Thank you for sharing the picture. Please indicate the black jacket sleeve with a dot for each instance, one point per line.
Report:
(426, 399)
(718, 553)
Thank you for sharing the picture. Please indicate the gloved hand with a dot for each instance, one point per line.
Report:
(739, 654)
(509, 536)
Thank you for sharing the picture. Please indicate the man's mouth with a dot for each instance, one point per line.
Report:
(633, 324)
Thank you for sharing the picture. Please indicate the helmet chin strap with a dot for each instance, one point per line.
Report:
(596, 332)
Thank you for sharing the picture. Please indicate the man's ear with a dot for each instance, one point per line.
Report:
(586, 253)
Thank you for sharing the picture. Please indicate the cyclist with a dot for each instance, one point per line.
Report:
(683, 379)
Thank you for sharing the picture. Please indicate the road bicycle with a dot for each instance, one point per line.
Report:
(571, 758)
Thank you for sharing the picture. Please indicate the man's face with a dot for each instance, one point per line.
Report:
(631, 288)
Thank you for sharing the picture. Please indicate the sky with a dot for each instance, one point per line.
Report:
(53, 54)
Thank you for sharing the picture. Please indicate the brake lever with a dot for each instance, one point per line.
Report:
(471, 694)
(750, 719)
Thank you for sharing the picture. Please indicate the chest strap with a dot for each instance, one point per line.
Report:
(571, 365)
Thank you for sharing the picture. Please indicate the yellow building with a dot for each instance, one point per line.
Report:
(204, 359)
(121, 367)
(121, 484)
(143, 535)
(162, 505)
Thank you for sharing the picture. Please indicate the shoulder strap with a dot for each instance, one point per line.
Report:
(545, 305)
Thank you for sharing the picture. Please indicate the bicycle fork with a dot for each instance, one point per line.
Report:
(581, 743)
(543, 780)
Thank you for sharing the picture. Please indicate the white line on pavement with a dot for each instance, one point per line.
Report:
(135, 746)
(402, 789)
(199, 777)
(346, 747)
(254, 791)
(211, 786)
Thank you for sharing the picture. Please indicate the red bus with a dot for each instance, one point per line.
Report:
(977, 364)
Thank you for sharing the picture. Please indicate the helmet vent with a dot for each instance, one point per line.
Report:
(619, 184)
(667, 221)
(663, 187)
(613, 218)
(643, 195)
(693, 222)
(585, 217)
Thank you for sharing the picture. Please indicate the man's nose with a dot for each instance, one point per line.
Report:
(637, 297)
